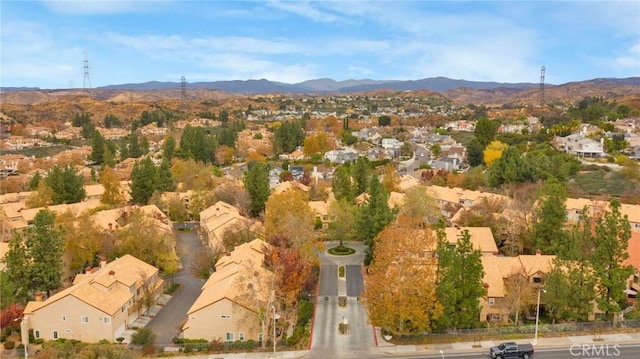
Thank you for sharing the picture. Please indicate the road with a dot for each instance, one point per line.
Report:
(168, 322)
(326, 341)
(590, 351)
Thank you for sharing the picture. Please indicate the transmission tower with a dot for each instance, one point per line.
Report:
(183, 89)
(542, 87)
(87, 79)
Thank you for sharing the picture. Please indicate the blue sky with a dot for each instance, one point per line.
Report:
(43, 43)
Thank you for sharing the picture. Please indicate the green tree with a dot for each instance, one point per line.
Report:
(342, 224)
(485, 131)
(66, 183)
(510, 168)
(134, 146)
(35, 181)
(548, 229)
(460, 282)
(34, 259)
(144, 181)
(287, 137)
(97, 148)
(612, 238)
(361, 172)
(196, 144)
(384, 120)
(165, 178)
(7, 291)
(475, 153)
(168, 148)
(256, 182)
(373, 216)
(343, 186)
(111, 121)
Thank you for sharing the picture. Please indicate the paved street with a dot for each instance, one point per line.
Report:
(168, 322)
(326, 341)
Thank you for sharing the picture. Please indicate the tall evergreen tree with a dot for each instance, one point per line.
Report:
(256, 182)
(548, 230)
(373, 216)
(342, 186)
(67, 185)
(612, 238)
(34, 260)
(485, 131)
(460, 284)
(475, 153)
(165, 178)
(134, 146)
(168, 147)
(362, 172)
(35, 181)
(97, 148)
(144, 181)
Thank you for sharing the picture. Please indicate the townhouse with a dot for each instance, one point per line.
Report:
(100, 304)
(237, 300)
(218, 219)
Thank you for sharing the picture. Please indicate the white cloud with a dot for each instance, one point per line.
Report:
(305, 9)
(102, 7)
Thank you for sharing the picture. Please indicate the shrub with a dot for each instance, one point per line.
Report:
(120, 339)
(341, 271)
(104, 341)
(40, 341)
(216, 345)
(143, 336)
(9, 344)
(172, 288)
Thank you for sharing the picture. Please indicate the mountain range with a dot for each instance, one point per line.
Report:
(326, 85)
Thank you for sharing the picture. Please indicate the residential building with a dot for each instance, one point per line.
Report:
(580, 145)
(100, 304)
(236, 300)
(219, 218)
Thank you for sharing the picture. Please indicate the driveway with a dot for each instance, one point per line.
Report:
(326, 341)
(168, 321)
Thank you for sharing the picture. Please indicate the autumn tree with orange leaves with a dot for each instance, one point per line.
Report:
(399, 294)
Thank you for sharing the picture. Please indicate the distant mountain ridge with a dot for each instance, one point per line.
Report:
(326, 85)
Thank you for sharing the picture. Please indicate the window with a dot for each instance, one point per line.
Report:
(241, 336)
(68, 331)
(107, 320)
(55, 334)
(230, 337)
(492, 301)
(225, 316)
(36, 334)
(64, 318)
(537, 280)
(260, 337)
(123, 308)
(495, 317)
(84, 319)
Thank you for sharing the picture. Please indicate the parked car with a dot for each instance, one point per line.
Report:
(511, 350)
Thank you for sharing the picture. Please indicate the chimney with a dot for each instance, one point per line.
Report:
(38, 296)
(538, 252)
(485, 285)
(111, 274)
(111, 226)
(495, 253)
(87, 270)
(103, 262)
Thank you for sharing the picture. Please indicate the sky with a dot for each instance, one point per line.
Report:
(44, 43)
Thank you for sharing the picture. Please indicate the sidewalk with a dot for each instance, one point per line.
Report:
(143, 320)
(385, 347)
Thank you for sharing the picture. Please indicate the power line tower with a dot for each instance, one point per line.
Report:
(87, 79)
(542, 86)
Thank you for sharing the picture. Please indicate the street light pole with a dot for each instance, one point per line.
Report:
(535, 338)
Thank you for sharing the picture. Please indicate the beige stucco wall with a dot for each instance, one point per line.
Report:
(207, 323)
(49, 318)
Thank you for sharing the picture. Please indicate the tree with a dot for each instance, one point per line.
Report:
(111, 121)
(224, 155)
(390, 179)
(509, 167)
(399, 287)
(112, 195)
(82, 238)
(256, 182)
(168, 147)
(41, 197)
(97, 148)
(475, 153)
(34, 259)
(287, 137)
(384, 120)
(35, 181)
(342, 224)
(548, 230)
(134, 145)
(373, 216)
(343, 186)
(142, 238)
(316, 144)
(204, 263)
(361, 172)
(289, 216)
(460, 282)
(485, 131)
(144, 181)
(611, 240)
(419, 210)
(165, 178)
(493, 151)
(67, 185)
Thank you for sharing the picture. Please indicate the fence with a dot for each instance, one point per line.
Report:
(584, 328)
